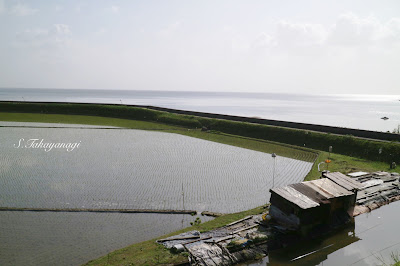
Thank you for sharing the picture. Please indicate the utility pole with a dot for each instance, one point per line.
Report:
(183, 204)
(273, 171)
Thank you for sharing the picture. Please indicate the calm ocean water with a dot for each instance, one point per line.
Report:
(352, 111)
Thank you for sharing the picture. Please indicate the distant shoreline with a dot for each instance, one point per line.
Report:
(336, 110)
(368, 134)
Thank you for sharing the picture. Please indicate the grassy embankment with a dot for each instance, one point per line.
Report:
(148, 252)
(151, 253)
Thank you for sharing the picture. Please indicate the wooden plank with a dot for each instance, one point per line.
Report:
(340, 182)
(358, 174)
(330, 188)
(178, 238)
(389, 178)
(355, 183)
(371, 183)
(316, 195)
(315, 185)
(244, 229)
(295, 197)
(238, 221)
(344, 181)
(224, 238)
(212, 214)
(197, 240)
(301, 197)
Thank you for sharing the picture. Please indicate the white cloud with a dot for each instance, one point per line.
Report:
(61, 29)
(263, 41)
(22, 10)
(348, 30)
(392, 30)
(300, 34)
(353, 30)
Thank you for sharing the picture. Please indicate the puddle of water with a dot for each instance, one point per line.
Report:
(372, 238)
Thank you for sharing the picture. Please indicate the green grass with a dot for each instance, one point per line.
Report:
(345, 164)
(151, 253)
(85, 120)
(284, 150)
(394, 259)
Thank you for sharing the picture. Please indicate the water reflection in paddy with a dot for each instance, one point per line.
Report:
(372, 238)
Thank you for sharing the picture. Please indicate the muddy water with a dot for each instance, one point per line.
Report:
(370, 241)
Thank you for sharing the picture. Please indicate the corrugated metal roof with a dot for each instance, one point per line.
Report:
(344, 181)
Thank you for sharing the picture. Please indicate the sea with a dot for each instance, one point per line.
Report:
(358, 111)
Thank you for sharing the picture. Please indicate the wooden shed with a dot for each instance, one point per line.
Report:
(315, 204)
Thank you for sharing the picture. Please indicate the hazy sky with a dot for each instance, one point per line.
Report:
(272, 46)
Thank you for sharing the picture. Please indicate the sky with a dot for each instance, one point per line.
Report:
(309, 46)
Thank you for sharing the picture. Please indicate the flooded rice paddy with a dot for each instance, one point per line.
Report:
(112, 168)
